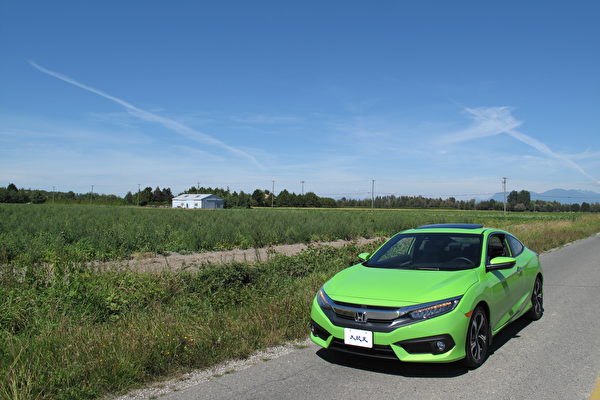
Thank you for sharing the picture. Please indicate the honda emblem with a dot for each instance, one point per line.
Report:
(360, 316)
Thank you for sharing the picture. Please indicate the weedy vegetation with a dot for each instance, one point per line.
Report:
(68, 331)
(32, 233)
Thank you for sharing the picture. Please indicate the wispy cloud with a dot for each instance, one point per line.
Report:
(145, 115)
(491, 121)
(265, 119)
(584, 155)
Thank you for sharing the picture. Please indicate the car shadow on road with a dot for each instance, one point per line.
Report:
(421, 370)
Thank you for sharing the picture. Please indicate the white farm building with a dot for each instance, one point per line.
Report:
(208, 201)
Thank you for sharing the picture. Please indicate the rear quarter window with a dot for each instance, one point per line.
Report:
(516, 247)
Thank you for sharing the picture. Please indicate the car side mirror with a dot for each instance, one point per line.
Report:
(501, 263)
(364, 256)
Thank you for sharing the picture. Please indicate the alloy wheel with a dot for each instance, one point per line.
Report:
(478, 337)
(538, 297)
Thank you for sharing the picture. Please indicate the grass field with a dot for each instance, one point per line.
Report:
(50, 233)
(67, 332)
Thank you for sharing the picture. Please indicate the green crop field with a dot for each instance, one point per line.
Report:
(68, 331)
(48, 233)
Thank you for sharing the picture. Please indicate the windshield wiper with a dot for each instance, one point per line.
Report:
(403, 267)
(388, 266)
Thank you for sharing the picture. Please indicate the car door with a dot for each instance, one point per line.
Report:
(524, 278)
(504, 284)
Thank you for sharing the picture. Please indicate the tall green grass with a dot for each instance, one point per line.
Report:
(67, 332)
(46, 233)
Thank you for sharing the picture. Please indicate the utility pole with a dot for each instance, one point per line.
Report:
(504, 189)
(272, 193)
(372, 193)
(197, 187)
(138, 196)
(92, 195)
(53, 189)
(302, 182)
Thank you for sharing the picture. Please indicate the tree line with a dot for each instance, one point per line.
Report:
(516, 201)
(264, 198)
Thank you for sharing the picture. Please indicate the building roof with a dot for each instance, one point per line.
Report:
(195, 197)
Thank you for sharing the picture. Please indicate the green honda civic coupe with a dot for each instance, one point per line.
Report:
(436, 293)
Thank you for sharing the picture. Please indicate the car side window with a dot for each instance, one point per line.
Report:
(515, 246)
(497, 247)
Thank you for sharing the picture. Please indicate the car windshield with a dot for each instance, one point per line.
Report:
(429, 251)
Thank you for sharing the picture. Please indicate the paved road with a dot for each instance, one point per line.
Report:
(557, 357)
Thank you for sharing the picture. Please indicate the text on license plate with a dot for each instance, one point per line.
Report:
(356, 337)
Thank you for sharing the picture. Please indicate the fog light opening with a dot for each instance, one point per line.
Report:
(440, 346)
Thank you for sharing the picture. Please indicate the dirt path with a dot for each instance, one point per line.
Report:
(176, 261)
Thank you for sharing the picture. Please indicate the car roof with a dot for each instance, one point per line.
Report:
(476, 229)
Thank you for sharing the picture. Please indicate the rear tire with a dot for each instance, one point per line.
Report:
(537, 300)
(478, 339)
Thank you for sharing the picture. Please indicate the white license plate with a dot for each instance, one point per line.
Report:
(356, 337)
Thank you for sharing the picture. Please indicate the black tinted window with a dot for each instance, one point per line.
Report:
(429, 251)
(515, 246)
(497, 247)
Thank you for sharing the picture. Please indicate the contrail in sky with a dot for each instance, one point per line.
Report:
(493, 121)
(168, 123)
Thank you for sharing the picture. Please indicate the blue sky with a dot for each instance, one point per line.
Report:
(432, 98)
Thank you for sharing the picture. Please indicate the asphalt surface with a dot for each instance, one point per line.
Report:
(557, 357)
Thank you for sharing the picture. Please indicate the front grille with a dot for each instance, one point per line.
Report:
(378, 351)
(372, 320)
(342, 303)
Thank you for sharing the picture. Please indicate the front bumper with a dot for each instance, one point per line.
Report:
(410, 343)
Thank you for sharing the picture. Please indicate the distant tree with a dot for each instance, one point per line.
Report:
(328, 202)
(519, 207)
(284, 199)
(145, 196)
(167, 195)
(585, 207)
(258, 198)
(157, 196)
(515, 198)
(244, 200)
(312, 200)
(128, 198)
(12, 187)
(37, 197)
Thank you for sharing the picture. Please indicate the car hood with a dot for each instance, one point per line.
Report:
(397, 287)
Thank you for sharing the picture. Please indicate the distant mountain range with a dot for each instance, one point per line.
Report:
(560, 195)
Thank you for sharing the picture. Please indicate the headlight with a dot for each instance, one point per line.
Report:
(323, 300)
(434, 309)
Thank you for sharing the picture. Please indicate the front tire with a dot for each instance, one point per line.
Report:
(478, 339)
(537, 301)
